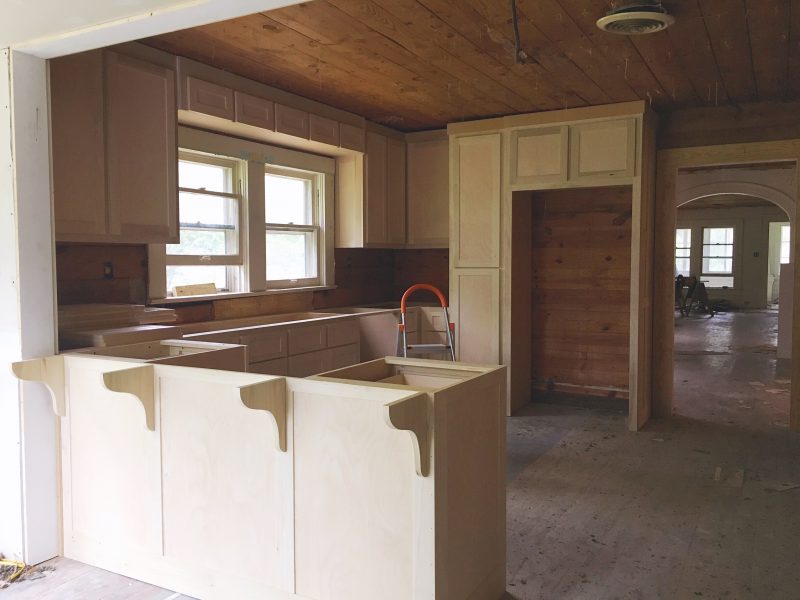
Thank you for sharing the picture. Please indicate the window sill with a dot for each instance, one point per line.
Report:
(231, 295)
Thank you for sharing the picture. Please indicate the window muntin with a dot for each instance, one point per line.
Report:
(210, 209)
(292, 209)
(683, 252)
(786, 246)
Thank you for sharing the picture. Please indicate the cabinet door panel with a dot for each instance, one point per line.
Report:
(251, 110)
(209, 98)
(475, 298)
(351, 137)
(265, 346)
(476, 201)
(539, 155)
(311, 363)
(306, 339)
(344, 357)
(341, 334)
(427, 195)
(79, 183)
(396, 192)
(141, 150)
(291, 121)
(376, 179)
(323, 130)
(279, 366)
(603, 149)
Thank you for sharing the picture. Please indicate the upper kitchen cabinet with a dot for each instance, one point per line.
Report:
(114, 147)
(604, 149)
(427, 189)
(371, 193)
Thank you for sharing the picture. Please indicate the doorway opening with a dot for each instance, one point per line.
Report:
(730, 253)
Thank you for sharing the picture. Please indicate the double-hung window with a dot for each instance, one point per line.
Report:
(786, 248)
(210, 210)
(683, 252)
(718, 256)
(292, 213)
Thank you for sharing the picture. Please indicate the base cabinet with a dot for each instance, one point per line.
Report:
(314, 489)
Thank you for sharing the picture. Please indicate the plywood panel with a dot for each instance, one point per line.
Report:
(376, 167)
(428, 190)
(396, 192)
(209, 98)
(475, 186)
(475, 298)
(255, 111)
(580, 261)
(603, 149)
(539, 155)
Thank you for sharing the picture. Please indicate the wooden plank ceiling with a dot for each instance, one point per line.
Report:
(419, 64)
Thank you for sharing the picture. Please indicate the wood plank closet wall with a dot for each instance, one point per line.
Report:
(580, 283)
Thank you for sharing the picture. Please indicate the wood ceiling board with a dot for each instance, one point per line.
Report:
(794, 49)
(693, 48)
(558, 28)
(539, 49)
(462, 19)
(768, 23)
(354, 43)
(727, 28)
(413, 27)
(618, 50)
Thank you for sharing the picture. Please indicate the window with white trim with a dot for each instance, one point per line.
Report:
(252, 218)
(292, 215)
(210, 213)
(718, 257)
(786, 248)
(683, 251)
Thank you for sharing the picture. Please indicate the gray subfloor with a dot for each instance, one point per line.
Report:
(701, 506)
(705, 505)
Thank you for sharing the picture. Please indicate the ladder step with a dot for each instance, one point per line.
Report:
(428, 347)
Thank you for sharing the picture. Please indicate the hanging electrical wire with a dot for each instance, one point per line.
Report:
(519, 54)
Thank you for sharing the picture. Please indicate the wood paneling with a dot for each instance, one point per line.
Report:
(81, 279)
(418, 64)
(580, 261)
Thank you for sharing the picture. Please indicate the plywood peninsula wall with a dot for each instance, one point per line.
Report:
(580, 289)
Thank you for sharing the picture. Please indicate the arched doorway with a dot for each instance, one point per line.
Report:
(676, 168)
(727, 368)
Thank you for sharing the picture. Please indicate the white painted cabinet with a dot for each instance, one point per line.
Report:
(114, 149)
(427, 191)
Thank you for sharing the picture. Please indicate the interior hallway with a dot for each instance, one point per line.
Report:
(702, 506)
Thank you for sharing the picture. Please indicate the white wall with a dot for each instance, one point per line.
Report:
(751, 238)
(28, 493)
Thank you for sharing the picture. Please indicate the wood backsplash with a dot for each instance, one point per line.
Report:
(363, 276)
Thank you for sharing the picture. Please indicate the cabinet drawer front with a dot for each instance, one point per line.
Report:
(345, 356)
(323, 130)
(340, 334)
(265, 346)
(351, 137)
(251, 110)
(306, 339)
(311, 363)
(278, 366)
(291, 121)
(209, 98)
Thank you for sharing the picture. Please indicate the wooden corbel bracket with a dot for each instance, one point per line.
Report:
(49, 371)
(139, 382)
(414, 415)
(269, 396)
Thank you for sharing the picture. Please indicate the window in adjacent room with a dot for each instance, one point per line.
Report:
(210, 210)
(683, 252)
(292, 209)
(786, 249)
(718, 257)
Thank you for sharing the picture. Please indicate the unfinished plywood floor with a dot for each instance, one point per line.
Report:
(701, 506)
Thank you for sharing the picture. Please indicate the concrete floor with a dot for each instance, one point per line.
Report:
(705, 505)
(700, 506)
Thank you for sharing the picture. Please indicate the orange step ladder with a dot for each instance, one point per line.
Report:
(404, 348)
